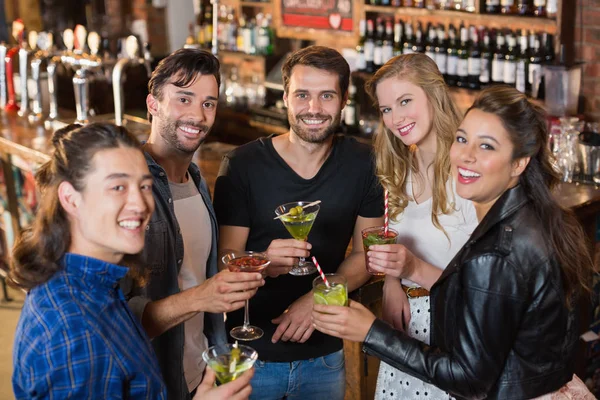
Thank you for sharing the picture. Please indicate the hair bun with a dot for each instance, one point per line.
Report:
(59, 134)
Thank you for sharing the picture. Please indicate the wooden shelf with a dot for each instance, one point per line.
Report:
(490, 20)
(256, 4)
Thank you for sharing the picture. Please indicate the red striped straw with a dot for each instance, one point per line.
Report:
(321, 272)
(385, 215)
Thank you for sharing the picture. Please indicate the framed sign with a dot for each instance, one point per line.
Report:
(317, 14)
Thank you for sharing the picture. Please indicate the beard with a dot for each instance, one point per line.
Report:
(317, 135)
(169, 133)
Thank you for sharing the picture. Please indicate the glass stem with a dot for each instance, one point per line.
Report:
(302, 261)
(247, 315)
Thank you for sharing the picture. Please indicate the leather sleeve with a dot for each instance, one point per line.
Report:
(487, 317)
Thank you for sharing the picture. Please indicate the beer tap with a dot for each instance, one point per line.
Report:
(83, 63)
(68, 40)
(43, 42)
(131, 57)
(23, 72)
(18, 29)
(3, 50)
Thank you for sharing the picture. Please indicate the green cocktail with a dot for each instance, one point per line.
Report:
(334, 295)
(229, 361)
(299, 225)
(298, 218)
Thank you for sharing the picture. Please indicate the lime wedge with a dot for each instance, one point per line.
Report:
(337, 296)
(320, 298)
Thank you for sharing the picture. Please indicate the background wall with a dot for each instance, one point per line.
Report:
(587, 48)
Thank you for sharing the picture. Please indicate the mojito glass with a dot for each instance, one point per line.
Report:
(376, 235)
(334, 295)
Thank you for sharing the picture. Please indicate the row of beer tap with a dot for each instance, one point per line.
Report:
(38, 52)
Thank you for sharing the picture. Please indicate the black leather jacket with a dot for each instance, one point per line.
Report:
(500, 327)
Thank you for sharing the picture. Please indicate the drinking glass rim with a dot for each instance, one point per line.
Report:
(233, 254)
(314, 208)
(380, 228)
(244, 349)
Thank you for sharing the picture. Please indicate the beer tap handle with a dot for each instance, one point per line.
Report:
(131, 50)
(68, 39)
(80, 36)
(33, 40)
(93, 42)
(3, 50)
(18, 31)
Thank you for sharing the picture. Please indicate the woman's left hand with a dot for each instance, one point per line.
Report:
(349, 323)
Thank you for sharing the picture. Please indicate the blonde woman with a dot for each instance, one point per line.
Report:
(413, 164)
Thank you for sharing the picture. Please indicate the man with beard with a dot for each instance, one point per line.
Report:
(183, 302)
(308, 163)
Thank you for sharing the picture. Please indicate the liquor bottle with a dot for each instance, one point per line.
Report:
(445, 4)
(521, 82)
(539, 8)
(508, 7)
(398, 28)
(535, 68)
(419, 3)
(351, 112)
(264, 38)
(486, 60)
(452, 65)
(433, 4)
(408, 3)
(431, 42)
(208, 26)
(250, 37)
(233, 28)
(510, 60)
(388, 42)
(474, 65)
(407, 47)
(551, 8)
(385, 2)
(239, 42)
(462, 71)
(457, 5)
(492, 6)
(468, 6)
(375, 2)
(441, 51)
(498, 59)
(378, 50)
(361, 63)
(524, 7)
(370, 48)
(548, 47)
(419, 44)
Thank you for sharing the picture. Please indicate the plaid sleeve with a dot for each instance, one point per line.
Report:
(70, 365)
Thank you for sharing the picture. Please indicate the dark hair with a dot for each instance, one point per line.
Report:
(39, 247)
(319, 57)
(528, 131)
(181, 69)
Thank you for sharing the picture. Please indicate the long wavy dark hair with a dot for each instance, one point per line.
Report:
(39, 248)
(528, 131)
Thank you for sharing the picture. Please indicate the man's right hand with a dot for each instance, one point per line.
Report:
(284, 254)
(226, 291)
(395, 306)
(238, 389)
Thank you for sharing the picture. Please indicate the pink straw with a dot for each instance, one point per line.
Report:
(320, 272)
(385, 215)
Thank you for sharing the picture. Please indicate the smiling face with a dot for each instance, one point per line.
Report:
(185, 115)
(406, 112)
(314, 103)
(482, 161)
(109, 216)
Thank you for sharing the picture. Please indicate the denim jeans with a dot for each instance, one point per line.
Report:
(312, 379)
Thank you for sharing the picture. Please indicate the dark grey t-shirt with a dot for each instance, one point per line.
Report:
(253, 181)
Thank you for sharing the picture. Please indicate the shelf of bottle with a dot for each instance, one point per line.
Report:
(463, 97)
(495, 20)
(256, 4)
(243, 55)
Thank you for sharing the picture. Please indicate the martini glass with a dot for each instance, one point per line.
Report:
(246, 261)
(229, 360)
(298, 219)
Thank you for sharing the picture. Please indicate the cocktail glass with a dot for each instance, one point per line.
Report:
(376, 235)
(229, 360)
(334, 295)
(246, 261)
(298, 221)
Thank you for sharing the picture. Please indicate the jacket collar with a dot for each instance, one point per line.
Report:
(511, 201)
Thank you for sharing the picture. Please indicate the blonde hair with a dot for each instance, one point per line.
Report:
(394, 159)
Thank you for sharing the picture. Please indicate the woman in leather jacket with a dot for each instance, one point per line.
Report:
(504, 318)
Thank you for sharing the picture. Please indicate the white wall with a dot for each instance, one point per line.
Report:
(180, 13)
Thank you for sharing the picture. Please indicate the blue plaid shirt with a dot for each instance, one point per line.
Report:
(77, 338)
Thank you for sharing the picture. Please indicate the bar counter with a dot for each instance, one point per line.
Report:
(29, 144)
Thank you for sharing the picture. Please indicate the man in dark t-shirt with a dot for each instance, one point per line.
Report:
(308, 163)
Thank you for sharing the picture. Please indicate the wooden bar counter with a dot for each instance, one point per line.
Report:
(29, 142)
